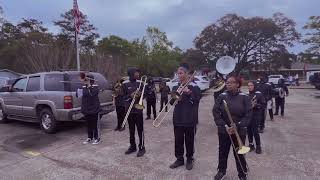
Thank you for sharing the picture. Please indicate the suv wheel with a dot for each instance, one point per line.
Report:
(48, 122)
(3, 116)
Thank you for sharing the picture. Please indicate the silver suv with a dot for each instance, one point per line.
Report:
(48, 98)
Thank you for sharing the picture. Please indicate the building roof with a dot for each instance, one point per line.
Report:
(300, 65)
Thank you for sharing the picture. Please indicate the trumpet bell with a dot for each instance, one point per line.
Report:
(139, 106)
(243, 150)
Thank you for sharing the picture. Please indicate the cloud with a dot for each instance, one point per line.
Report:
(182, 20)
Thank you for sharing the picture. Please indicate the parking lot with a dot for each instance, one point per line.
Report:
(291, 148)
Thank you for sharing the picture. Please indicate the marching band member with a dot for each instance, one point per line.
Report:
(119, 103)
(183, 119)
(240, 109)
(266, 89)
(136, 116)
(258, 104)
(281, 100)
(151, 98)
(164, 91)
(90, 108)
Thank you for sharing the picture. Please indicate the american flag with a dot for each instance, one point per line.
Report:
(77, 16)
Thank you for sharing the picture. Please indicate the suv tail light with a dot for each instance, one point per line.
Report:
(67, 102)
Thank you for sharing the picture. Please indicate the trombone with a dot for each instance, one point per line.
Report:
(241, 149)
(175, 97)
(138, 106)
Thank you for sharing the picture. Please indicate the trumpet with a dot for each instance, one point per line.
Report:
(175, 98)
(84, 79)
(241, 149)
(134, 96)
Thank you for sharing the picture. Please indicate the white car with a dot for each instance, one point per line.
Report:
(202, 82)
(275, 78)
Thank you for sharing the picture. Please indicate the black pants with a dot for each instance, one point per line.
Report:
(183, 135)
(271, 113)
(262, 120)
(136, 119)
(163, 102)
(93, 126)
(224, 148)
(151, 104)
(253, 132)
(280, 104)
(121, 113)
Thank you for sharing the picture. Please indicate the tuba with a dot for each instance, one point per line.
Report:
(224, 65)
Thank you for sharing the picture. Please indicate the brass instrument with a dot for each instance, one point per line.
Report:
(134, 96)
(140, 104)
(175, 97)
(241, 149)
(224, 65)
(84, 79)
(254, 101)
(117, 90)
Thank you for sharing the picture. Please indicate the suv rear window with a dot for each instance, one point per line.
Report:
(54, 82)
(101, 81)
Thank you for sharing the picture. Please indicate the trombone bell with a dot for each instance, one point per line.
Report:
(139, 106)
(243, 150)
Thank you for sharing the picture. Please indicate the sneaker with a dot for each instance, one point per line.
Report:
(260, 130)
(258, 150)
(176, 164)
(276, 114)
(117, 129)
(87, 141)
(148, 118)
(96, 141)
(251, 146)
(189, 164)
(219, 176)
(243, 177)
(141, 152)
(122, 129)
(131, 150)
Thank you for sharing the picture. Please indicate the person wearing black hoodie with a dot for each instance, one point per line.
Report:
(118, 102)
(280, 101)
(135, 118)
(90, 108)
(151, 98)
(240, 109)
(184, 121)
(258, 103)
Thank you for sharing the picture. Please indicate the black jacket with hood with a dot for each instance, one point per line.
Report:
(129, 88)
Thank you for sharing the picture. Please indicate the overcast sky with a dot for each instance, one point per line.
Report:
(182, 20)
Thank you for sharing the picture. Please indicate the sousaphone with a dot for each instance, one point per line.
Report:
(224, 65)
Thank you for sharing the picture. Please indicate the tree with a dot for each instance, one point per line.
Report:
(313, 35)
(87, 34)
(195, 58)
(248, 40)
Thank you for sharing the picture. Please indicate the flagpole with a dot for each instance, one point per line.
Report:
(78, 57)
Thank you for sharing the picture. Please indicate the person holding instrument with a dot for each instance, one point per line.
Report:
(183, 117)
(258, 103)
(164, 91)
(239, 106)
(151, 98)
(90, 108)
(118, 102)
(135, 118)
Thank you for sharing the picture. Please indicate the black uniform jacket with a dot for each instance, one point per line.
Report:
(128, 89)
(90, 100)
(164, 91)
(266, 89)
(119, 99)
(150, 93)
(258, 110)
(240, 108)
(185, 111)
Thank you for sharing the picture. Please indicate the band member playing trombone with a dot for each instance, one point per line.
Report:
(258, 103)
(183, 117)
(239, 107)
(119, 103)
(136, 115)
(90, 107)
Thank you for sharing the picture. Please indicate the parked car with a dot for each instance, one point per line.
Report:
(48, 98)
(202, 81)
(315, 80)
(156, 79)
(274, 78)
